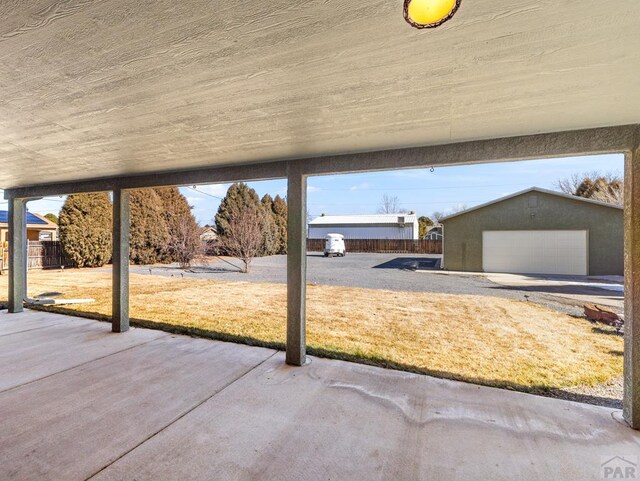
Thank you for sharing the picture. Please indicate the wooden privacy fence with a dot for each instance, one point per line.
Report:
(387, 246)
(46, 255)
(40, 255)
(4, 256)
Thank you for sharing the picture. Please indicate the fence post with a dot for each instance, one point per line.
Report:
(4, 256)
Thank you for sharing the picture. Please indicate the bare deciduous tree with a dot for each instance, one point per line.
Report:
(569, 185)
(594, 185)
(437, 215)
(244, 238)
(390, 205)
(185, 244)
(458, 208)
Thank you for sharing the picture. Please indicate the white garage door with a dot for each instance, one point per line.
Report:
(536, 251)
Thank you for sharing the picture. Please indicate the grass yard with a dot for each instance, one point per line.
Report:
(492, 341)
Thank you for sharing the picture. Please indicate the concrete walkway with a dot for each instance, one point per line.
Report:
(593, 290)
(79, 402)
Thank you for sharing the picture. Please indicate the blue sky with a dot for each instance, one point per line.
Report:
(446, 189)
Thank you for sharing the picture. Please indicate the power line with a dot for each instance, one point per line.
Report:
(400, 203)
(363, 189)
(205, 193)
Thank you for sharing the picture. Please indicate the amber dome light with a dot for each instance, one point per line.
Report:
(429, 13)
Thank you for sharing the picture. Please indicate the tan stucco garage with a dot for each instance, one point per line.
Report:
(537, 231)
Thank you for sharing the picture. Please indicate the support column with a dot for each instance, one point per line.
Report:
(120, 280)
(631, 398)
(17, 254)
(296, 264)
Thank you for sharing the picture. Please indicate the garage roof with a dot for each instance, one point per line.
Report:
(98, 89)
(532, 189)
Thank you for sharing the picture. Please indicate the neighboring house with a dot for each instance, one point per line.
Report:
(209, 234)
(434, 232)
(38, 228)
(536, 231)
(209, 237)
(374, 226)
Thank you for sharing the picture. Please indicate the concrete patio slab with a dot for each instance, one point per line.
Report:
(28, 321)
(39, 352)
(179, 408)
(337, 420)
(71, 425)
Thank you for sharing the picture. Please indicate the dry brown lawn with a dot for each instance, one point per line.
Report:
(487, 340)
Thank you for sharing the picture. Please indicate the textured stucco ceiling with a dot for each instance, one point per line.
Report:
(95, 88)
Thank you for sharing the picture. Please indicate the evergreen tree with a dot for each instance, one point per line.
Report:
(280, 211)
(85, 229)
(423, 226)
(149, 236)
(609, 190)
(51, 217)
(184, 233)
(241, 203)
(238, 198)
(270, 229)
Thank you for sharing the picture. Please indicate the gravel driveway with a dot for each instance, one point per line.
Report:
(396, 272)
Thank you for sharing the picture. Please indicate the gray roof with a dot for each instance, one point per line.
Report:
(531, 189)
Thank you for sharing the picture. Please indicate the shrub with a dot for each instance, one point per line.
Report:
(184, 243)
(149, 236)
(85, 223)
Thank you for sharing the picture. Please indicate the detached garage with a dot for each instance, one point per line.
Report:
(537, 231)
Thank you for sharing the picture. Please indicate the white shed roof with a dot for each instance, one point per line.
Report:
(365, 219)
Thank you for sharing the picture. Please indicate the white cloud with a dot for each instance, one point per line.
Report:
(46, 205)
(362, 186)
(313, 188)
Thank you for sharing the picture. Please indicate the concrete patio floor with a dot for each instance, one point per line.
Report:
(78, 402)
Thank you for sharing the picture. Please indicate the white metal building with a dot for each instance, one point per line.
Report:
(368, 226)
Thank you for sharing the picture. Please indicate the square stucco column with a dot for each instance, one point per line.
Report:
(120, 279)
(296, 265)
(17, 254)
(632, 289)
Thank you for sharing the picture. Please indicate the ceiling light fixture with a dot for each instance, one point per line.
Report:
(429, 13)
